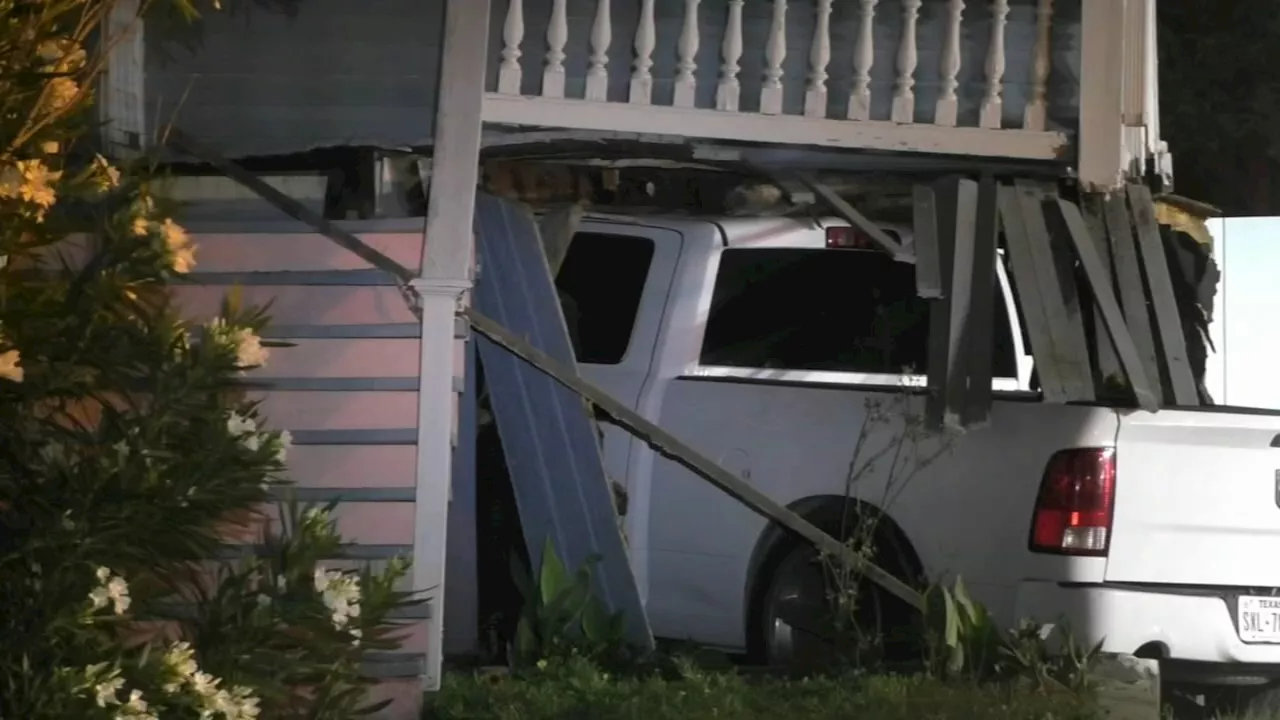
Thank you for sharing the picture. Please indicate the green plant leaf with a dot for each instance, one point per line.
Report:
(553, 579)
(595, 622)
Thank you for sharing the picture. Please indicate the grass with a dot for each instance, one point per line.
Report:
(577, 690)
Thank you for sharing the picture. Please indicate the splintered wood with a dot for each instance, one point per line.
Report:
(1092, 286)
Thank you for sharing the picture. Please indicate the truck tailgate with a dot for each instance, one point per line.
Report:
(1197, 499)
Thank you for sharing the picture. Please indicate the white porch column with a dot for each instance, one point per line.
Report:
(1141, 88)
(443, 284)
(1102, 162)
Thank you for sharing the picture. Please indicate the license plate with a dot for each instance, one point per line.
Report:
(1259, 619)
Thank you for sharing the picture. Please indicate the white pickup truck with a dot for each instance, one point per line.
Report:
(762, 343)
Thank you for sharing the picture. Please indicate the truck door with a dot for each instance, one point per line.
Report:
(613, 285)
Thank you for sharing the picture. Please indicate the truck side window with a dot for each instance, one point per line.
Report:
(601, 281)
(835, 310)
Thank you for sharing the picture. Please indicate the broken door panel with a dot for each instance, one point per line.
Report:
(548, 437)
(1106, 362)
(977, 401)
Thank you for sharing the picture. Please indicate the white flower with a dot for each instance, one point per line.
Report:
(341, 595)
(112, 590)
(135, 708)
(246, 345)
(203, 684)
(54, 454)
(105, 692)
(284, 443)
(239, 425)
(180, 661)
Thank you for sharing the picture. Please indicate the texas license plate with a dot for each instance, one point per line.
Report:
(1259, 619)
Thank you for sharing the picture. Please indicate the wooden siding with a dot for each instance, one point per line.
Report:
(347, 390)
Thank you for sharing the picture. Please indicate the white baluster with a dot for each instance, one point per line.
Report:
(775, 52)
(509, 73)
(1034, 116)
(601, 37)
(904, 97)
(992, 107)
(948, 104)
(641, 77)
(815, 96)
(557, 37)
(729, 88)
(863, 56)
(686, 83)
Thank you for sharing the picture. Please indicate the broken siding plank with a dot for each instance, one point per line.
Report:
(943, 226)
(1107, 304)
(1061, 302)
(1030, 295)
(1156, 268)
(963, 225)
(924, 232)
(1128, 277)
(977, 403)
(1107, 361)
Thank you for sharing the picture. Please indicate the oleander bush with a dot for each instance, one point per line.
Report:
(130, 447)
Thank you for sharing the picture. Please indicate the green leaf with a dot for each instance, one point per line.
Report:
(962, 600)
(526, 643)
(595, 622)
(553, 580)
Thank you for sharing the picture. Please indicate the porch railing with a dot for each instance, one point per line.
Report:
(864, 25)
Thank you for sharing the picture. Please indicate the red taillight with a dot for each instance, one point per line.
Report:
(843, 236)
(1074, 507)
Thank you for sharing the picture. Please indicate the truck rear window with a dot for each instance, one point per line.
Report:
(834, 310)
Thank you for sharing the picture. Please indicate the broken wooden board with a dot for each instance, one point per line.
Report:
(1105, 360)
(1058, 291)
(943, 226)
(1129, 279)
(960, 223)
(1107, 304)
(1156, 268)
(979, 324)
(924, 233)
(549, 438)
(1031, 296)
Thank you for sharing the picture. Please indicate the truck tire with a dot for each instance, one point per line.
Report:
(794, 604)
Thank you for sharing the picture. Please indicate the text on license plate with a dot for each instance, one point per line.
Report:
(1259, 619)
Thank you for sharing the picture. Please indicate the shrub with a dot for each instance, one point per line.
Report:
(129, 447)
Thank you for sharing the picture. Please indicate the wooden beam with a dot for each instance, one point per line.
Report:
(1030, 296)
(1129, 279)
(443, 288)
(979, 324)
(1106, 362)
(961, 224)
(943, 226)
(925, 242)
(1100, 142)
(855, 218)
(657, 120)
(1108, 306)
(1168, 321)
(1058, 292)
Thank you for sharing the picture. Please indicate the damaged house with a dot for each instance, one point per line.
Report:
(488, 147)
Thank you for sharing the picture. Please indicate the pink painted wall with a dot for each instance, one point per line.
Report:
(345, 467)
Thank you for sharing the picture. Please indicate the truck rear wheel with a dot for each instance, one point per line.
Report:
(799, 622)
